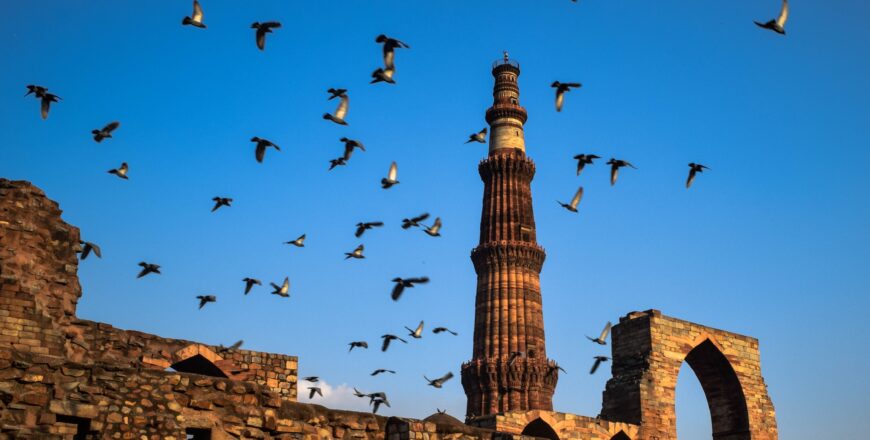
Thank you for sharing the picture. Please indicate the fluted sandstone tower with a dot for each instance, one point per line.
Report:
(509, 369)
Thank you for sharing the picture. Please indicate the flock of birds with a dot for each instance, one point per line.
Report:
(381, 74)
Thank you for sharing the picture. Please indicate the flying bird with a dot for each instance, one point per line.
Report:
(283, 290)
(777, 25)
(314, 390)
(298, 242)
(437, 330)
(196, 19)
(598, 361)
(221, 201)
(383, 75)
(381, 370)
(121, 171)
(377, 404)
(362, 227)
(205, 299)
(391, 178)
(416, 333)
(694, 168)
(360, 344)
(45, 98)
(337, 163)
(437, 383)
(335, 93)
(574, 202)
(105, 132)
(408, 223)
(553, 368)
(403, 283)
(235, 346)
(583, 160)
(148, 268)
(602, 338)
(39, 91)
(478, 137)
(87, 247)
(249, 284)
(350, 145)
(615, 165)
(389, 46)
(387, 338)
(434, 230)
(514, 355)
(341, 110)
(312, 379)
(262, 144)
(262, 30)
(561, 88)
(357, 253)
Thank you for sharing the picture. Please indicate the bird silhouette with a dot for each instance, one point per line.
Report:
(439, 382)
(298, 242)
(38, 91)
(341, 110)
(87, 247)
(249, 284)
(777, 25)
(105, 132)
(196, 18)
(478, 137)
(45, 102)
(561, 88)
(383, 75)
(514, 355)
(602, 338)
(416, 333)
(283, 290)
(403, 283)
(434, 230)
(389, 47)
(314, 390)
(574, 202)
(382, 370)
(583, 160)
(356, 253)
(121, 171)
(389, 337)
(337, 163)
(235, 346)
(412, 222)
(615, 165)
(260, 150)
(598, 361)
(392, 176)
(694, 168)
(350, 145)
(148, 268)
(355, 344)
(312, 379)
(221, 201)
(205, 299)
(335, 93)
(437, 330)
(262, 30)
(362, 227)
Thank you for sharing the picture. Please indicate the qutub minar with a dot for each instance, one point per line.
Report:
(62, 377)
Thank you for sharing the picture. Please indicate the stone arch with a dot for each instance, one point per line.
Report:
(725, 397)
(199, 359)
(541, 429)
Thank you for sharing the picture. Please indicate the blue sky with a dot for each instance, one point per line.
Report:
(772, 242)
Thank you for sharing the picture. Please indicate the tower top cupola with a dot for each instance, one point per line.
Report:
(506, 116)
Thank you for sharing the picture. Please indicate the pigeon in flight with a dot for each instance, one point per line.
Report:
(412, 222)
(196, 19)
(262, 144)
(221, 201)
(312, 379)
(106, 131)
(554, 367)
(262, 30)
(341, 110)
(598, 361)
(362, 227)
(437, 383)
(38, 91)
(561, 88)
(357, 253)
(387, 338)
(437, 330)
(391, 178)
(478, 137)
(335, 93)
(383, 75)
(87, 247)
(382, 370)
(416, 333)
(314, 390)
(403, 283)
(434, 230)
(574, 202)
(350, 145)
(298, 242)
(514, 356)
(583, 160)
(235, 346)
(777, 25)
(615, 165)
(390, 45)
(360, 344)
(283, 290)
(121, 171)
(249, 284)
(45, 98)
(205, 299)
(602, 338)
(337, 162)
(694, 168)
(377, 404)
(148, 268)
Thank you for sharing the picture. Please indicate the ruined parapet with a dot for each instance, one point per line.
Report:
(648, 351)
(38, 284)
(552, 424)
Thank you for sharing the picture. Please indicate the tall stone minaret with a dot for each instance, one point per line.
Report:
(509, 369)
